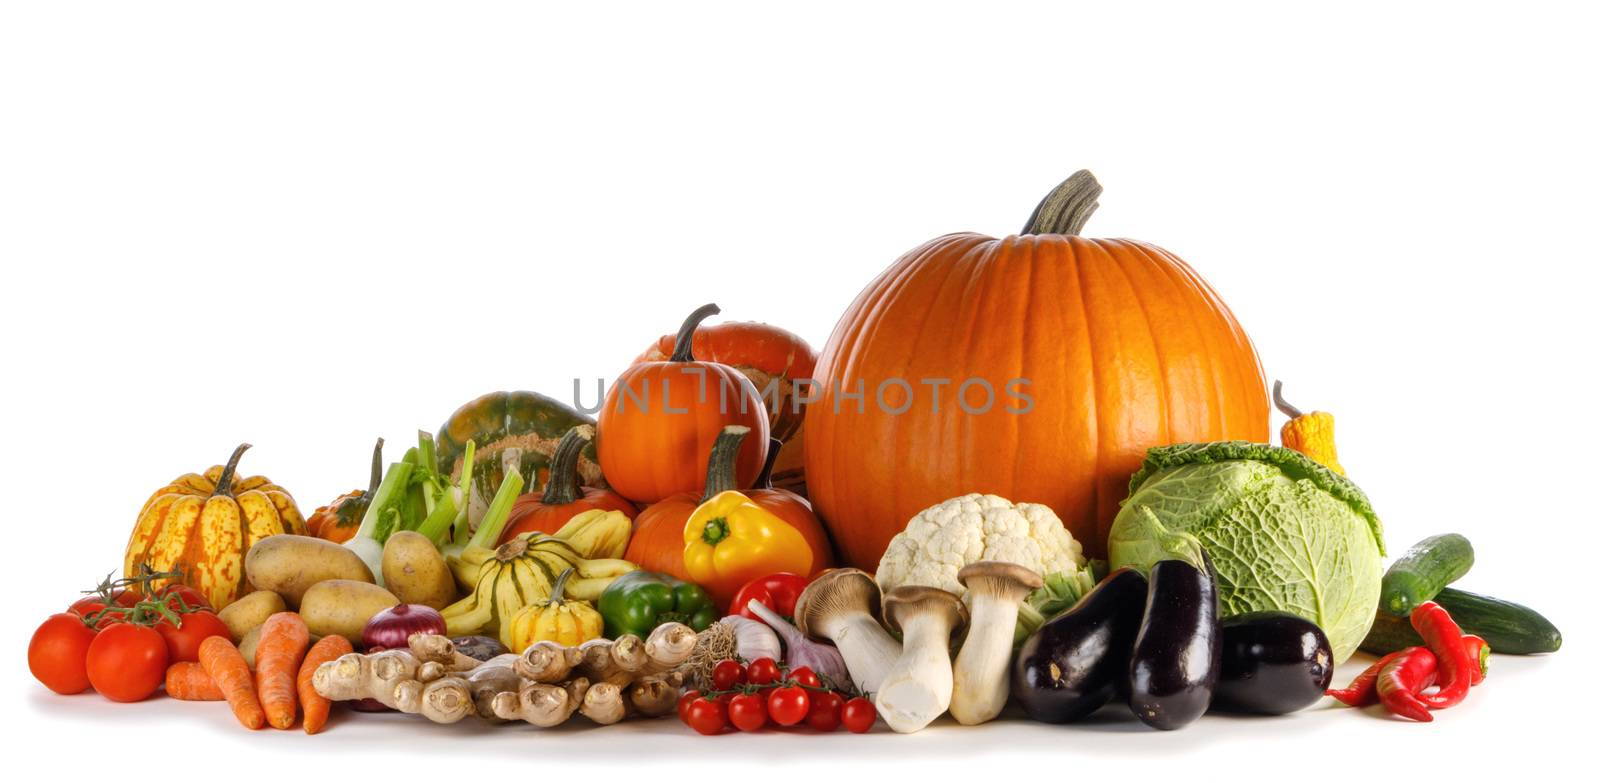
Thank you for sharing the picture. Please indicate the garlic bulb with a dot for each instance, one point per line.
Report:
(753, 639)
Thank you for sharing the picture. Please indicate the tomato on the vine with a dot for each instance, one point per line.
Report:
(94, 602)
(127, 662)
(683, 703)
(805, 677)
(727, 674)
(762, 671)
(858, 715)
(183, 640)
(747, 712)
(182, 597)
(824, 713)
(788, 705)
(58, 651)
(706, 716)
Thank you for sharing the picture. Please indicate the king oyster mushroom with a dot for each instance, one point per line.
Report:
(841, 605)
(982, 670)
(918, 686)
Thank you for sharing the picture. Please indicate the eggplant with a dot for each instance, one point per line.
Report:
(1273, 663)
(1077, 661)
(1178, 655)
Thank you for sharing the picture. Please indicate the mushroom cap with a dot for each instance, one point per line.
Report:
(908, 600)
(1011, 580)
(835, 591)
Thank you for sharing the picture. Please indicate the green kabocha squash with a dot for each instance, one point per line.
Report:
(519, 429)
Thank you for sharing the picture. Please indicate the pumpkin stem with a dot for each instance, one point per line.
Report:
(225, 481)
(559, 589)
(683, 348)
(721, 475)
(1283, 405)
(1067, 208)
(764, 479)
(561, 487)
(377, 469)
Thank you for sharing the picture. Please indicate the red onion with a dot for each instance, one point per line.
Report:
(394, 626)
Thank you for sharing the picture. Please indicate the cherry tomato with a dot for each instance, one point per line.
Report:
(858, 715)
(726, 674)
(57, 653)
(824, 712)
(183, 640)
(788, 705)
(706, 716)
(683, 703)
(127, 662)
(804, 676)
(762, 671)
(747, 712)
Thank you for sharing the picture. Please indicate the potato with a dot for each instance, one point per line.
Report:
(289, 565)
(250, 612)
(415, 571)
(343, 606)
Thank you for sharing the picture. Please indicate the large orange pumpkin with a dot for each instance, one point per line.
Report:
(659, 419)
(657, 542)
(562, 499)
(202, 524)
(1087, 352)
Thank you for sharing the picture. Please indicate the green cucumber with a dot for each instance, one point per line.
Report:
(1507, 627)
(1425, 569)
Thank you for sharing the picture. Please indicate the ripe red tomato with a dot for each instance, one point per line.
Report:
(805, 677)
(183, 640)
(91, 603)
(190, 598)
(727, 674)
(706, 716)
(824, 713)
(683, 703)
(747, 712)
(57, 652)
(762, 671)
(127, 662)
(858, 715)
(788, 705)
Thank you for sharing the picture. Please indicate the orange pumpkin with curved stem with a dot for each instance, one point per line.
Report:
(562, 498)
(659, 420)
(657, 543)
(766, 355)
(1120, 345)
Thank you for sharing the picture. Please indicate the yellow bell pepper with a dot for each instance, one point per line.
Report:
(730, 540)
(1310, 434)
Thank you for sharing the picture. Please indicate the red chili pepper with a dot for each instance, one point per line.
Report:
(1445, 640)
(1363, 690)
(1403, 679)
(777, 592)
(1479, 650)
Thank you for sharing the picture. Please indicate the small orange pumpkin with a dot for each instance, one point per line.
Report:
(563, 498)
(659, 420)
(338, 521)
(202, 524)
(657, 543)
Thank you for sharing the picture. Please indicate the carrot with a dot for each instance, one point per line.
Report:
(231, 674)
(283, 643)
(316, 705)
(188, 681)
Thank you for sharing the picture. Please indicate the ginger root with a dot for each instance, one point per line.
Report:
(603, 680)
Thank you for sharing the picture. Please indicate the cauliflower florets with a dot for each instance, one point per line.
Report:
(942, 539)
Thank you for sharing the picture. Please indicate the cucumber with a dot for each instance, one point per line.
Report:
(1425, 569)
(1507, 627)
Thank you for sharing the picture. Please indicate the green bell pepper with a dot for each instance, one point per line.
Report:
(638, 601)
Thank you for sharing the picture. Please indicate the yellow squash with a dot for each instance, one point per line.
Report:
(556, 619)
(1310, 434)
(519, 573)
(203, 524)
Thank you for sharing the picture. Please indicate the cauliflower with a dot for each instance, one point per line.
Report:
(942, 539)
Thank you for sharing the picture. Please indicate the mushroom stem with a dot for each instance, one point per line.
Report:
(868, 650)
(917, 688)
(983, 669)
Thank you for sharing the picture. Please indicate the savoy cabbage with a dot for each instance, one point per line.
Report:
(1283, 532)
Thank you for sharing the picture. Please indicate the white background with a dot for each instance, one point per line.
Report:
(307, 224)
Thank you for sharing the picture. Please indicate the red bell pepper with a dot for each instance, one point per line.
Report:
(777, 592)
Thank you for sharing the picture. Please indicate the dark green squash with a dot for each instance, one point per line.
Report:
(498, 421)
